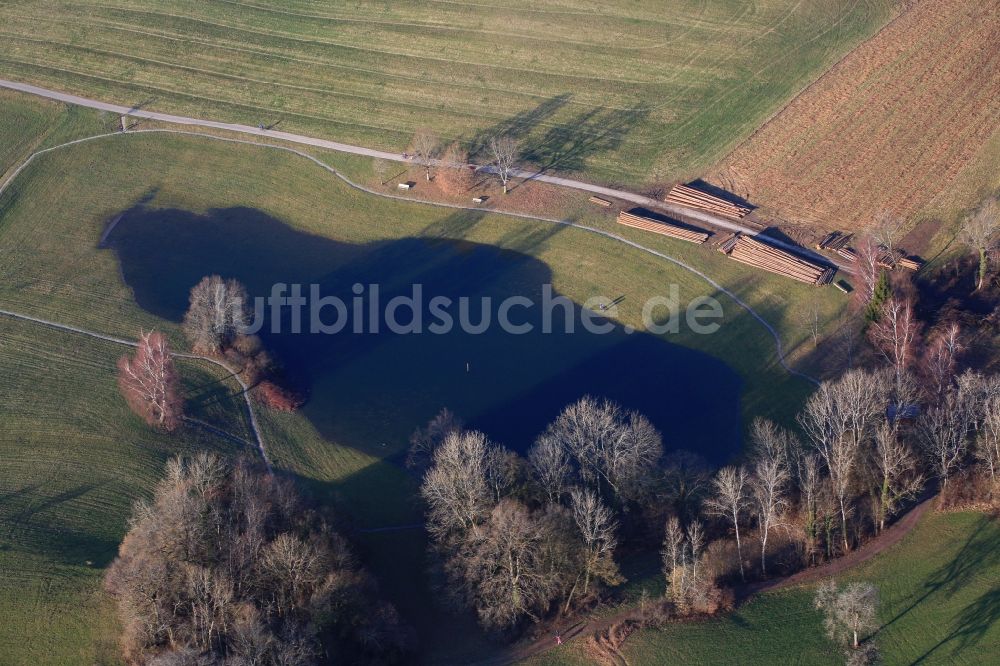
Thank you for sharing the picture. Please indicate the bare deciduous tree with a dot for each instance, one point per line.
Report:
(849, 612)
(424, 147)
(809, 481)
(424, 441)
(226, 564)
(987, 449)
(597, 527)
(837, 418)
(941, 357)
(943, 432)
(455, 177)
(610, 446)
(150, 383)
(505, 573)
(886, 229)
(894, 473)
(768, 487)
(504, 150)
(866, 264)
(218, 312)
(730, 501)
(980, 233)
(456, 489)
(895, 334)
(550, 465)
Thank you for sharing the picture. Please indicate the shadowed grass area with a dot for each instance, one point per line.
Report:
(621, 91)
(52, 265)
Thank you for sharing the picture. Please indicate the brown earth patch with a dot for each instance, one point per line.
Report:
(887, 128)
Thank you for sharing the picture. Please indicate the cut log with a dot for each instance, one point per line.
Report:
(600, 201)
(662, 226)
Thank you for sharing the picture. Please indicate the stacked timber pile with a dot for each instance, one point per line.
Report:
(683, 195)
(833, 241)
(600, 201)
(761, 255)
(641, 219)
(910, 263)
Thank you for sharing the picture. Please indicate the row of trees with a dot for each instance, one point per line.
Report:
(227, 564)
(521, 537)
(455, 177)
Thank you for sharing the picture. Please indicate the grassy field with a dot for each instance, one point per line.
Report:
(889, 128)
(74, 460)
(939, 605)
(621, 91)
(51, 219)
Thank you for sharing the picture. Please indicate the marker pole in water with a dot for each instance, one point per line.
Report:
(466, 366)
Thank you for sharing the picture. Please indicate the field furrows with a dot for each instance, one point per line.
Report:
(888, 128)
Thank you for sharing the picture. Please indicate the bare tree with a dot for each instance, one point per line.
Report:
(811, 321)
(674, 555)
(980, 233)
(730, 501)
(425, 146)
(866, 265)
(550, 465)
(218, 312)
(504, 150)
(610, 446)
(150, 383)
(895, 335)
(225, 563)
(456, 489)
(837, 418)
(809, 482)
(455, 176)
(885, 229)
(943, 433)
(425, 441)
(941, 358)
(505, 574)
(848, 612)
(768, 487)
(987, 449)
(894, 473)
(597, 528)
(380, 168)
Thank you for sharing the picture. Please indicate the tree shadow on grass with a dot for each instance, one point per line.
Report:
(979, 553)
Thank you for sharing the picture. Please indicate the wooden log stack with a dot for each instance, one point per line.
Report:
(600, 201)
(665, 227)
(756, 253)
(683, 195)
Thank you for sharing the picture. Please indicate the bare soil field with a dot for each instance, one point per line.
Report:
(889, 127)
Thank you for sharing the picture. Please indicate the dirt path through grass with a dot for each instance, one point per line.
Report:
(889, 538)
(259, 440)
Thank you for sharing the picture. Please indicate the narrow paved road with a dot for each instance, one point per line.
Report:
(132, 343)
(632, 197)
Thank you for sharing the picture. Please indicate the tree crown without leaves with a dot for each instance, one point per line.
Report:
(612, 449)
(218, 312)
(150, 383)
(504, 151)
(226, 562)
(848, 612)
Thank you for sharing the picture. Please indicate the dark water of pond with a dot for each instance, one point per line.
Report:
(368, 389)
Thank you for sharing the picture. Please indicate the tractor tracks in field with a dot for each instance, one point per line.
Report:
(245, 389)
(779, 349)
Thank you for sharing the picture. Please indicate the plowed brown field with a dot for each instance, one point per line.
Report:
(887, 128)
